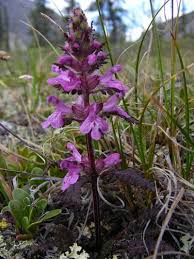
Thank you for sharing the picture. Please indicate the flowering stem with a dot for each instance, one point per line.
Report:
(94, 176)
(77, 71)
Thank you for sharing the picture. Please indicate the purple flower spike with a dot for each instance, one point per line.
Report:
(78, 73)
(94, 123)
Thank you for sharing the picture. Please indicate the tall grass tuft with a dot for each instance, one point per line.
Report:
(163, 106)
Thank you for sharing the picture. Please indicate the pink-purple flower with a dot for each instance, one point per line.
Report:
(95, 58)
(76, 163)
(77, 73)
(66, 80)
(92, 58)
(73, 166)
(108, 162)
(94, 124)
(65, 60)
(110, 107)
(57, 118)
(109, 82)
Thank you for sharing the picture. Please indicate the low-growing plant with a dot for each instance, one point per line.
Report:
(28, 212)
(98, 96)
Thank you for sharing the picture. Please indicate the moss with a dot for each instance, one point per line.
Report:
(3, 224)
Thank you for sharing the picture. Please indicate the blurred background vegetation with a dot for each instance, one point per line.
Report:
(118, 20)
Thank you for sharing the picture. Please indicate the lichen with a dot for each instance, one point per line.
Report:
(3, 224)
(75, 252)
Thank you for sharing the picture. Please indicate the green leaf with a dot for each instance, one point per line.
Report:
(46, 216)
(50, 214)
(25, 223)
(16, 210)
(37, 171)
(22, 196)
(41, 204)
(2, 162)
(37, 209)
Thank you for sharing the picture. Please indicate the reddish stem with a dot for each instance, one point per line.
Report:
(94, 176)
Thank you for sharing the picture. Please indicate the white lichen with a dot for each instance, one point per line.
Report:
(187, 241)
(76, 252)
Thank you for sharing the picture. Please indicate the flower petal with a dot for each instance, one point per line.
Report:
(71, 178)
(111, 103)
(65, 60)
(112, 160)
(86, 126)
(97, 44)
(95, 133)
(55, 69)
(102, 124)
(117, 85)
(117, 68)
(110, 82)
(67, 80)
(53, 100)
(92, 58)
(56, 120)
(45, 124)
(101, 55)
(75, 152)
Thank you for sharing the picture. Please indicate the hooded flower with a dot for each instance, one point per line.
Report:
(93, 123)
(57, 118)
(92, 58)
(73, 166)
(77, 163)
(96, 45)
(65, 60)
(109, 82)
(79, 110)
(55, 69)
(110, 106)
(97, 58)
(108, 162)
(67, 80)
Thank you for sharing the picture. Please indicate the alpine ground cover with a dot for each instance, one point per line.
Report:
(140, 172)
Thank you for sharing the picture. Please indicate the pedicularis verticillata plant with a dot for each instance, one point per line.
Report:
(78, 74)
